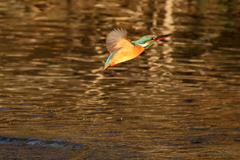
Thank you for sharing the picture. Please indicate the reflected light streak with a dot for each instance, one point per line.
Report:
(168, 23)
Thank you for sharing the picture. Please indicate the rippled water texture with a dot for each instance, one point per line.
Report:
(179, 100)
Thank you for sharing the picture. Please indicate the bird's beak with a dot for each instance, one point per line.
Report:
(162, 37)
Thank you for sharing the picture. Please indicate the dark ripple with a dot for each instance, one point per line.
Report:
(61, 145)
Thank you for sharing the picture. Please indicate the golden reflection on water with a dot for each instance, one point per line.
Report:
(179, 100)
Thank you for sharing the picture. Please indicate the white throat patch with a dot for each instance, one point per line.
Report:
(143, 45)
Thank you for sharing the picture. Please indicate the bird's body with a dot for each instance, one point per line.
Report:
(122, 49)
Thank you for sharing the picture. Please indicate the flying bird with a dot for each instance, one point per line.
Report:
(123, 49)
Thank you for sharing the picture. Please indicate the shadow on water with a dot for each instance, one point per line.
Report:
(180, 100)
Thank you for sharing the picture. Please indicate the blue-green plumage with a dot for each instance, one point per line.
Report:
(109, 58)
(143, 40)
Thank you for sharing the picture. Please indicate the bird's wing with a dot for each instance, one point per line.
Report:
(117, 39)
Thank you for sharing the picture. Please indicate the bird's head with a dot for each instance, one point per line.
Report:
(148, 40)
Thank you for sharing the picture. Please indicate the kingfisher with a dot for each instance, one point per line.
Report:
(123, 49)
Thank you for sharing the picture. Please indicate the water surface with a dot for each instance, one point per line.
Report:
(179, 100)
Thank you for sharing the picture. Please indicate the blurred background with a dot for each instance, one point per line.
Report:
(179, 100)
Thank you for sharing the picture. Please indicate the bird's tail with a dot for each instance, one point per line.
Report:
(105, 66)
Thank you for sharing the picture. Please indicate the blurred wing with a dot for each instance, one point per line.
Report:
(117, 39)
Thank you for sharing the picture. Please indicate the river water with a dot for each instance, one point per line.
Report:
(179, 100)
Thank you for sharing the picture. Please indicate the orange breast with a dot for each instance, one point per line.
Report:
(127, 53)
